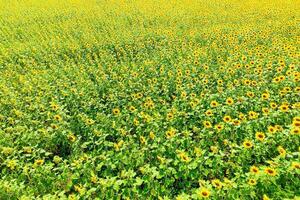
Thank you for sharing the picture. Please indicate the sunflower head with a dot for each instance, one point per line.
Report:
(260, 136)
(217, 183)
(254, 170)
(229, 101)
(247, 144)
(214, 104)
(296, 165)
(227, 118)
(252, 181)
(204, 193)
(116, 111)
(270, 171)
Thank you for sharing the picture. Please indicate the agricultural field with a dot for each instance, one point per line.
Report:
(156, 99)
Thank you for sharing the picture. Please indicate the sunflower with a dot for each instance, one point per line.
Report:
(254, 170)
(295, 131)
(265, 111)
(241, 116)
(247, 144)
(282, 93)
(281, 78)
(229, 101)
(204, 192)
(247, 82)
(265, 96)
(134, 74)
(193, 95)
(214, 149)
(136, 121)
(296, 123)
(192, 104)
(71, 137)
(219, 127)
(278, 128)
(252, 182)
(142, 140)
(170, 116)
(132, 108)
(118, 145)
(287, 89)
(54, 126)
(271, 129)
(236, 122)
(281, 151)
(207, 124)
(227, 118)
(80, 189)
(250, 94)
(214, 104)
(151, 135)
(170, 133)
(54, 107)
(240, 99)
(276, 80)
(116, 111)
(265, 197)
(270, 171)
(146, 104)
(260, 136)
(184, 157)
(296, 105)
(253, 115)
(273, 105)
(217, 183)
(209, 113)
(295, 165)
(39, 162)
(89, 121)
(284, 108)
(57, 117)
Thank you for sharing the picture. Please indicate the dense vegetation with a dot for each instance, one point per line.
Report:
(178, 99)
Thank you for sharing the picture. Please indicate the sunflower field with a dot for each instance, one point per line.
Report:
(149, 99)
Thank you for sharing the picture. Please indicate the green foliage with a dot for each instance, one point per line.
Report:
(149, 99)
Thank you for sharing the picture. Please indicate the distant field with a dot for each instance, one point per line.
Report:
(156, 99)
